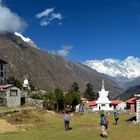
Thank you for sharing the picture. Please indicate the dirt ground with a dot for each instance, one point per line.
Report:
(20, 120)
(7, 127)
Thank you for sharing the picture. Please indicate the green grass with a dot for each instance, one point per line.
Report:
(50, 126)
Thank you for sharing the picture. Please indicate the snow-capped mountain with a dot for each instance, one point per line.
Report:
(26, 39)
(128, 68)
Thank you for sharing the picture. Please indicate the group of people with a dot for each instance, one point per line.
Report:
(104, 122)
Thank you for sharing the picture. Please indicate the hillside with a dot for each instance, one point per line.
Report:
(132, 83)
(47, 71)
(130, 92)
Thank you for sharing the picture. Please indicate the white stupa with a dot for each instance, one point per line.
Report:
(103, 100)
(26, 87)
(25, 83)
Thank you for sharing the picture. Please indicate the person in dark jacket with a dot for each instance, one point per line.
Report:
(116, 117)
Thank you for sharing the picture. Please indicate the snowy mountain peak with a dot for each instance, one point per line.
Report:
(128, 68)
(28, 40)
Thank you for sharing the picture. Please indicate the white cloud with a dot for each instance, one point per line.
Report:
(63, 52)
(45, 13)
(48, 16)
(10, 21)
(129, 67)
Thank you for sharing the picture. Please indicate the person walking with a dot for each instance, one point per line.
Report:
(116, 117)
(67, 120)
(104, 125)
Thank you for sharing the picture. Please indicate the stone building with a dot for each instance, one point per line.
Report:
(10, 96)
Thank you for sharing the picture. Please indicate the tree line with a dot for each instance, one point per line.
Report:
(59, 100)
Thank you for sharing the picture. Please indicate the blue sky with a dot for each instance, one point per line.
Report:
(85, 29)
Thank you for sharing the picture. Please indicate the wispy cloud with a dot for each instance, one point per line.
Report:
(45, 13)
(63, 52)
(10, 21)
(48, 16)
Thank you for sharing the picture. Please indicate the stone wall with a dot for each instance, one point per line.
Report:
(34, 102)
(3, 98)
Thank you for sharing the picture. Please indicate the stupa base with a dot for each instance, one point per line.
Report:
(103, 109)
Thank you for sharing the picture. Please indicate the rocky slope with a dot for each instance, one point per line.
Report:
(47, 71)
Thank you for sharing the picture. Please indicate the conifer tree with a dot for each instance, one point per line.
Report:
(89, 93)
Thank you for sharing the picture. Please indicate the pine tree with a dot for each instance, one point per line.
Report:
(74, 87)
(89, 93)
(72, 98)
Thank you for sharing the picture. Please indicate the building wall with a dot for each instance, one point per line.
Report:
(121, 106)
(13, 96)
(13, 101)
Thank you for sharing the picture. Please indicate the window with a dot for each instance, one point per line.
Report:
(1, 74)
(1, 66)
(13, 93)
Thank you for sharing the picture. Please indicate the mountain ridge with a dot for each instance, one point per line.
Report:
(130, 92)
(48, 71)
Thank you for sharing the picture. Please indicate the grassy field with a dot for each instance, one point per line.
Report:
(43, 125)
